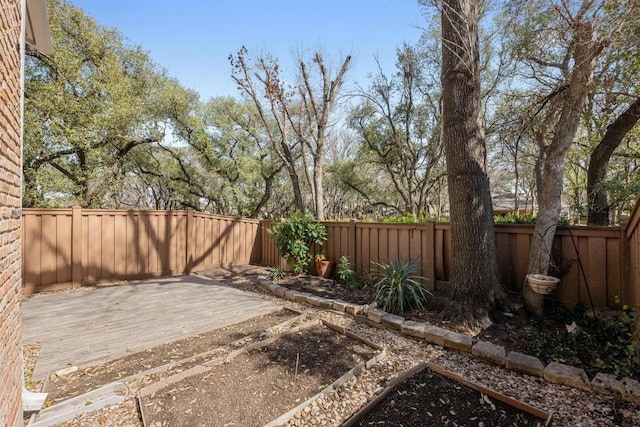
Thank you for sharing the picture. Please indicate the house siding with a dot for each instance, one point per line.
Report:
(10, 211)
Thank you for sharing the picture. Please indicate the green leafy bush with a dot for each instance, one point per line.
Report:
(398, 288)
(410, 218)
(516, 218)
(596, 345)
(294, 237)
(346, 275)
(277, 273)
(525, 218)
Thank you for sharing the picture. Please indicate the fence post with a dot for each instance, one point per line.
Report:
(191, 240)
(429, 255)
(629, 284)
(353, 253)
(76, 247)
(264, 250)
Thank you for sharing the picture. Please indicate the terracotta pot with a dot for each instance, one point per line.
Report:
(541, 284)
(323, 268)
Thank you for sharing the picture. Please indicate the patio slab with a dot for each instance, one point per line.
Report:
(91, 325)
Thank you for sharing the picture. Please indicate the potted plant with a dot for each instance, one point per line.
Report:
(323, 266)
(542, 284)
(294, 236)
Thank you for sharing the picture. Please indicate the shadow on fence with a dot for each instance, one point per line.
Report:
(66, 248)
(603, 252)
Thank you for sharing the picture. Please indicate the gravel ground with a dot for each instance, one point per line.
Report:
(570, 407)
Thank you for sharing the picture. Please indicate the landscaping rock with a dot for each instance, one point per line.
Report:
(524, 363)
(607, 384)
(263, 280)
(320, 302)
(458, 341)
(279, 290)
(271, 287)
(560, 373)
(489, 352)
(435, 335)
(292, 295)
(302, 297)
(393, 321)
(412, 328)
(340, 305)
(264, 284)
(376, 315)
(353, 308)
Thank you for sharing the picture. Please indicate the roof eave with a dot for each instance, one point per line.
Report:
(37, 31)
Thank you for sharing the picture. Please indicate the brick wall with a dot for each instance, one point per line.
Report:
(10, 204)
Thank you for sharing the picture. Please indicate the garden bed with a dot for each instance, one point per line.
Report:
(573, 337)
(183, 353)
(430, 395)
(260, 384)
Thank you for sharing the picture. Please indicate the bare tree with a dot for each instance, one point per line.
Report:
(317, 102)
(399, 128)
(259, 79)
(474, 281)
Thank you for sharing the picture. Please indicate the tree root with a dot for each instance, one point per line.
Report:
(472, 318)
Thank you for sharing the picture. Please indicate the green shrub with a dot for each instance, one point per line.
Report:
(597, 345)
(398, 288)
(346, 275)
(294, 237)
(516, 218)
(277, 273)
(525, 218)
(410, 218)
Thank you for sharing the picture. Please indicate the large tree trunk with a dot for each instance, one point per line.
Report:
(474, 280)
(551, 161)
(287, 157)
(319, 193)
(598, 206)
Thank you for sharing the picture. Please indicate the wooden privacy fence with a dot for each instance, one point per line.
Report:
(64, 248)
(633, 236)
(603, 252)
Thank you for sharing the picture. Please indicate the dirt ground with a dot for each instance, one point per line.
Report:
(257, 387)
(260, 385)
(184, 353)
(429, 398)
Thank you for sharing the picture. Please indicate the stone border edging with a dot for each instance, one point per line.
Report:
(554, 372)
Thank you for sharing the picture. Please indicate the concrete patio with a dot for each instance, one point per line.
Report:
(91, 325)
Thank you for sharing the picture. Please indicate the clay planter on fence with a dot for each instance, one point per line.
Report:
(541, 284)
(323, 268)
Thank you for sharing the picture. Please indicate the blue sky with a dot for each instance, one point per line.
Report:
(193, 39)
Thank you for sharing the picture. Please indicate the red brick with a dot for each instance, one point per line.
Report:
(10, 279)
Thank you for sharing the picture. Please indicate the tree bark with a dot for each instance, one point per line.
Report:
(598, 206)
(552, 159)
(474, 280)
(317, 109)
